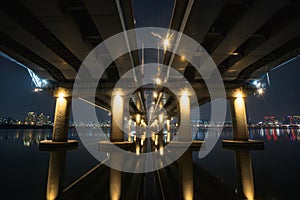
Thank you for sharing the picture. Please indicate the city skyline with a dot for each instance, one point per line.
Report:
(281, 93)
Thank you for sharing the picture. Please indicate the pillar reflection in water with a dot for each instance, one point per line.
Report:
(56, 174)
(115, 177)
(187, 181)
(244, 173)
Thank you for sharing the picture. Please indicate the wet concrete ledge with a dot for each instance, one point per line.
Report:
(243, 144)
(49, 145)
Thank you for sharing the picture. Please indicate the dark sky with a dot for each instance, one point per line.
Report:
(281, 98)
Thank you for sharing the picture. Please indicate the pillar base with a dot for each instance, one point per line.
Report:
(49, 145)
(243, 144)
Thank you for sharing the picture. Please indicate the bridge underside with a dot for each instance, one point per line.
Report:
(245, 39)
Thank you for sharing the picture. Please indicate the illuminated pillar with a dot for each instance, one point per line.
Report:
(55, 174)
(161, 133)
(116, 133)
(115, 178)
(244, 172)
(168, 131)
(185, 118)
(239, 120)
(187, 181)
(62, 114)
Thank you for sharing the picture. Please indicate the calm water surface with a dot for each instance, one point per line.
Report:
(276, 170)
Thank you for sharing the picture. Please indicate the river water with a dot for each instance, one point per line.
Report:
(24, 168)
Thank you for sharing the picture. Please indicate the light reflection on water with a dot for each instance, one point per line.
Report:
(275, 169)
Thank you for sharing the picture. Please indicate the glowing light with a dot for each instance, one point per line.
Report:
(239, 95)
(166, 43)
(161, 151)
(234, 53)
(158, 81)
(155, 94)
(138, 118)
(161, 118)
(260, 91)
(61, 94)
(185, 97)
(182, 58)
(37, 90)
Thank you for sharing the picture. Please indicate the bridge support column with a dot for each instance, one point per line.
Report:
(116, 132)
(244, 174)
(55, 174)
(187, 181)
(185, 118)
(239, 119)
(62, 114)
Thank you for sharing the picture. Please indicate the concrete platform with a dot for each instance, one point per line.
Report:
(195, 145)
(49, 145)
(243, 144)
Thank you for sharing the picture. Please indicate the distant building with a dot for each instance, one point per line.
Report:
(292, 120)
(33, 118)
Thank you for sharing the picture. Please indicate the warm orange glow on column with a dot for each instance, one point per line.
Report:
(117, 116)
(61, 119)
(138, 119)
(185, 118)
(161, 119)
(239, 120)
(168, 125)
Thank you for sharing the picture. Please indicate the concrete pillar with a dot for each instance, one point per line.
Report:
(168, 131)
(187, 181)
(244, 174)
(116, 132)
(62, 115)
(185, 118)
(239, 120)
(55, 174)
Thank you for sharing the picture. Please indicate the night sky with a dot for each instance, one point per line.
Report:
(280, 99)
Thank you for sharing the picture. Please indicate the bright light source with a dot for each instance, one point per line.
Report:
(37, 90)
(138, 118)
(155, 94)
(166, 43)
(182, 58)
(260, 91)
(239, 95)
(257, 84)
(161, 118)
(234, 53)
(61, 94)
(158, 81)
